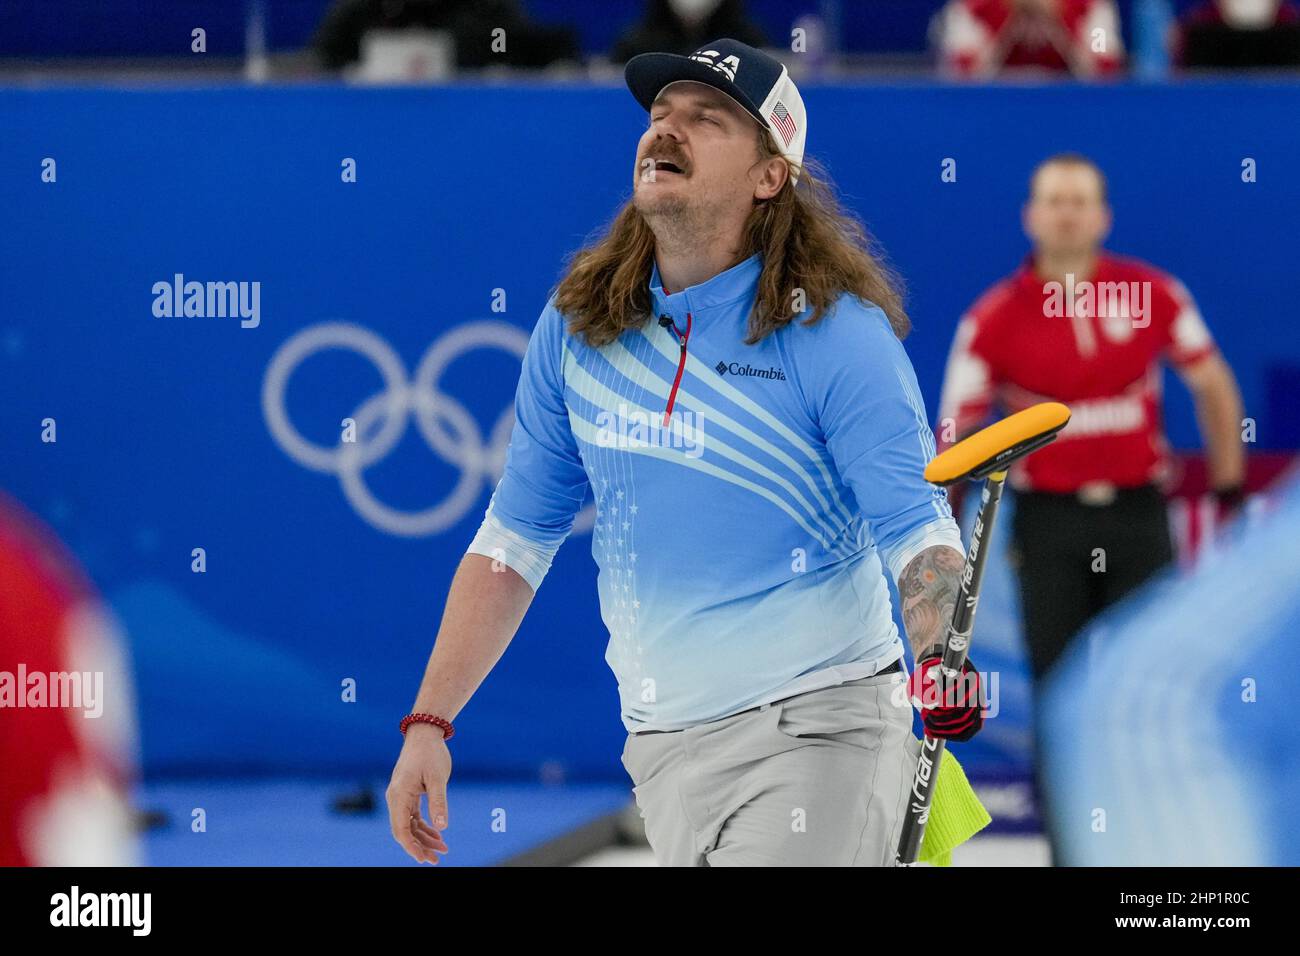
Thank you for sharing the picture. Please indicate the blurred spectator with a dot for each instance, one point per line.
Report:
(979, 39)
(470, 23)
(1239, 34)
(682, 26)
(67, 712)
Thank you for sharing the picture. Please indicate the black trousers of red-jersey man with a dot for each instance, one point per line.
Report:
(1074, 559)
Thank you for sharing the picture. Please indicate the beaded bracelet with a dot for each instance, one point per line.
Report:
(447, 728)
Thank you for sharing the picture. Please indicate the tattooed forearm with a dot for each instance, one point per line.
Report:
(928, 588)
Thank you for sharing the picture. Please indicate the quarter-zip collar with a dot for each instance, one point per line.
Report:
(737, 282)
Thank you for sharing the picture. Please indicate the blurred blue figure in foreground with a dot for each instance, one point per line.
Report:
(1170, 740)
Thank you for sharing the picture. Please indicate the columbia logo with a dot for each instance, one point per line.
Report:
(735, 368)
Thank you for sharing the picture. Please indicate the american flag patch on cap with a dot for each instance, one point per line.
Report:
(782, 121)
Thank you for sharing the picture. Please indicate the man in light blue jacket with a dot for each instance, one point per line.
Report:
(724, 372)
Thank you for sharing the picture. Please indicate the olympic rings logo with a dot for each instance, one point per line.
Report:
(450, 431)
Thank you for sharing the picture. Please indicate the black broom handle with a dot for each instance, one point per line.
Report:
(955, 648)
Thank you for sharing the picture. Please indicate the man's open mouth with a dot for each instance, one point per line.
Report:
(664, 166)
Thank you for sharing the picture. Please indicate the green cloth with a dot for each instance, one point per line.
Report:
(956, 814)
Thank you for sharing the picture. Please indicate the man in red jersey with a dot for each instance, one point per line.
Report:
(1079, 325)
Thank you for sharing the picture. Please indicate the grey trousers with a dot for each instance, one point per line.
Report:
(818, 779)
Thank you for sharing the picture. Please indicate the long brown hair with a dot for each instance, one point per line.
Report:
(808, 241)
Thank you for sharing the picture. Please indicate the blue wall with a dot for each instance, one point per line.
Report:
(162, 442)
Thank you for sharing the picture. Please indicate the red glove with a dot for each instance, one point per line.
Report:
(949, 708)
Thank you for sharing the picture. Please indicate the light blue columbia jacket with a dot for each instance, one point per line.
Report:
(741, 548)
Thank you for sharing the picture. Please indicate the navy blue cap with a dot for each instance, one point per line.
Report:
(758, 82)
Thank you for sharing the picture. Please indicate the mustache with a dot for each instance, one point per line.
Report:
(666, 154)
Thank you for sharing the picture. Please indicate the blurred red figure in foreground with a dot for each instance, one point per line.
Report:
(67, 721)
